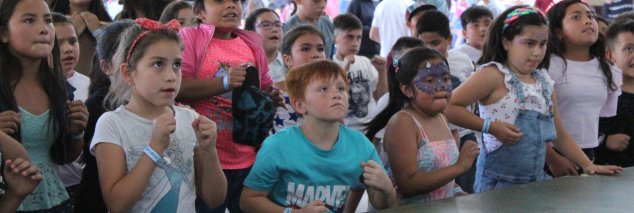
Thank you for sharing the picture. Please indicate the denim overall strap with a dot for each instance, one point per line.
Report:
(523, 161)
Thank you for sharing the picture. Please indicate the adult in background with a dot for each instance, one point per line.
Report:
(389, 24)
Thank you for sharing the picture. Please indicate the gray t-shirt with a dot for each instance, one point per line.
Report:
(324, 25)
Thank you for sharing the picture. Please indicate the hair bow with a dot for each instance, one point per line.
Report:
(151, 25)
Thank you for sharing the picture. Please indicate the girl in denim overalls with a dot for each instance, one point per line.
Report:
(517, 105)
(418, 150)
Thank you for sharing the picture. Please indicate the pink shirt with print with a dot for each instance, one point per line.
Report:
(219, 57)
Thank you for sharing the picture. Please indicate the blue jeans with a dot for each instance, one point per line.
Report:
(235, 179)
(519, 163)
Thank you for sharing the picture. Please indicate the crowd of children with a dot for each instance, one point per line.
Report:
(150, 117)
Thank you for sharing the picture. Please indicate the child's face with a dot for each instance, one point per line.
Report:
(435, 41)
(186, 17)
(307, 48)
(312, 9)
(30, 32)
(437, 100)
(476, 32)
(68, 47)
(622, 53)
(157, 76)
(526, 50)
(348, 42)
(224, 14)
(325, 99)
(268, 25)
(579, 27)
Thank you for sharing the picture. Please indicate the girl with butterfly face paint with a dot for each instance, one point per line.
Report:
(418, 149)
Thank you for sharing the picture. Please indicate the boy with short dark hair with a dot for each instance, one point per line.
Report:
(367, 78)
(475, 24)
(414, 12)
(615, 149)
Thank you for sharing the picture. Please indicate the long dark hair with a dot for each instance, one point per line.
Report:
(107, 42)
(50, 78)
(493, 49)
(96, 7)
(172, 9)
(407, 69)
(556, 16)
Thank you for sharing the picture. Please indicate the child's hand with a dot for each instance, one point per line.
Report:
(618, 142)
(92, 22)
(237, 74)
(505, 132)
(468, 152)
(379, 63)
(604, 170)
(205, 132)
(276, 95)
(78, 23)
(9, 122)
(21, 176)
(315, 206)
(348, 61)
(163, 126)
(77, 116)
(374, 177)
(458, 194)
(560, 166)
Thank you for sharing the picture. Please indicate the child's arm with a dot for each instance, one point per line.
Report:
(381, 193)
(257, 201)
(196, 89)
(12, 149)
(380, 64)
(568, 147)
(211, 184)
(400, 143)
(78, 118)
(486, 86)
(121, 189)
(21, 177)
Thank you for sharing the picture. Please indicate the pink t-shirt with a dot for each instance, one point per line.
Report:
(219, 57)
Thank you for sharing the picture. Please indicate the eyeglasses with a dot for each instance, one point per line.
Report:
(268, 25)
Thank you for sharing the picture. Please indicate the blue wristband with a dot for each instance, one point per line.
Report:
(225, 82)
(456, 190)
(485, 127)
(153, 155)
(288, 210)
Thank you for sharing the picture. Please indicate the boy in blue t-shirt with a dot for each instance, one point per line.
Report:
(320, 165)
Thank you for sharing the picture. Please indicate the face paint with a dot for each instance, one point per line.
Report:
(433, 78)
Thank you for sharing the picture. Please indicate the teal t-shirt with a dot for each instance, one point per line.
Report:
(296, 172)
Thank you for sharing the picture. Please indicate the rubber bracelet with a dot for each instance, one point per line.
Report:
(485, 127)
(225, 82)
(288, 210)
(152, 154)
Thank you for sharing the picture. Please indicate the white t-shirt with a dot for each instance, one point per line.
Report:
(582, 91)
(363, 79)
(380, 106)
(81, 84)
(389, 18)
(473, 53)
(277, 69)
(133, 133)
(460, 65)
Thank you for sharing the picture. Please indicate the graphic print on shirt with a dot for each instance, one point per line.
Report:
(223, 123)
(176, 171)
(300, 195)
(359, 94)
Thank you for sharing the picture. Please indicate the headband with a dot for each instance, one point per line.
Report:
(150, 26)
(519, 12)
